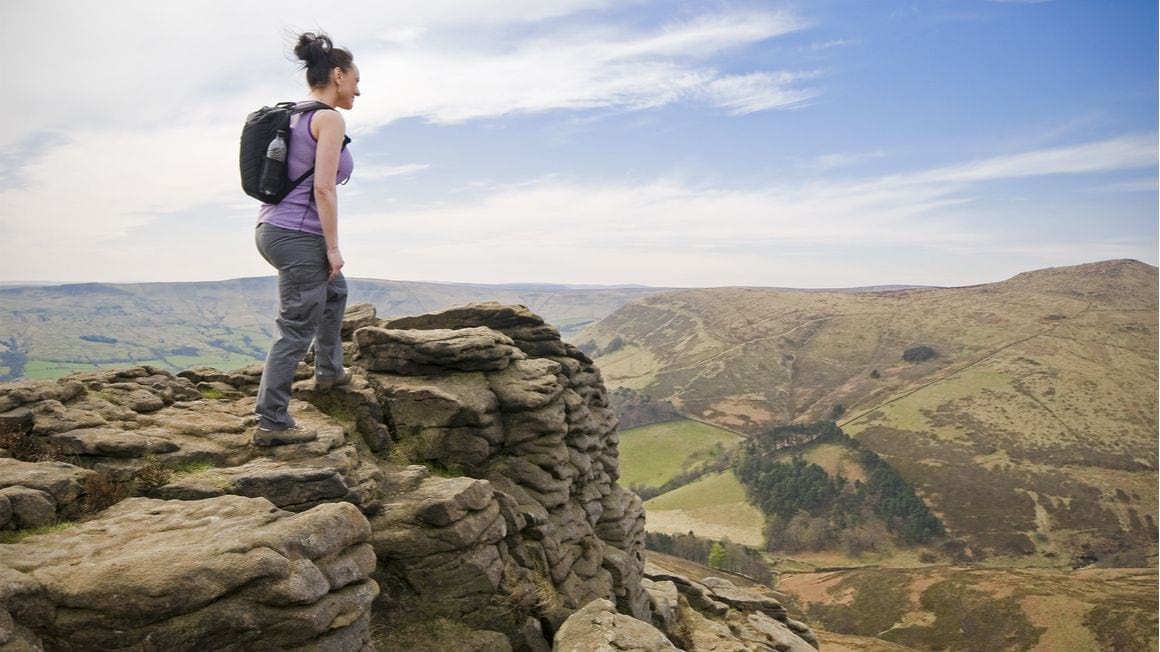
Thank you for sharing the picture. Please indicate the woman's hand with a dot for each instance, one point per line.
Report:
(334, 258)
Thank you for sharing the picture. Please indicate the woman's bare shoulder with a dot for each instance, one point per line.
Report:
(324, 120)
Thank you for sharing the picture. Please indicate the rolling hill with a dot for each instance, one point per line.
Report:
(1031, 432)
(50, 331)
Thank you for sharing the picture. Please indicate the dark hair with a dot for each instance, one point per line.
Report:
(319, 57)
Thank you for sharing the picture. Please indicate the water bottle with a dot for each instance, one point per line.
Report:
(270, 181)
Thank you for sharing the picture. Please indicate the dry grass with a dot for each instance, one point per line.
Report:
(151, 476)
(29, 448)
(102, 492)
(942, 607)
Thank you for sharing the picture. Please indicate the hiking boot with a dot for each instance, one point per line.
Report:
(295, 434)
(327, 384)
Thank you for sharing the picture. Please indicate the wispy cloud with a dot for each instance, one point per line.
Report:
(831, 44)
(372, 172)
(1123, 153)
(723, 234)
(129, 138)
(591, 67)
(666, 231)
(742, 94)
(841, 159)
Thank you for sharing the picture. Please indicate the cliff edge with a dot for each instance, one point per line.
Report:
(467, 475)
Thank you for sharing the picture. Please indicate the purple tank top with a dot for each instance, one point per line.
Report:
(297, 210)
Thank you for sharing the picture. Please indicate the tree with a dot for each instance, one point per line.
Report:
(921, 353)
(716, 555)
(617, 343)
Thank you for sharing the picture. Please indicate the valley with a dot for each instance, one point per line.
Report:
(1031, 434)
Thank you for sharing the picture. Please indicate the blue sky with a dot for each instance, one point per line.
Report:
(804, 144)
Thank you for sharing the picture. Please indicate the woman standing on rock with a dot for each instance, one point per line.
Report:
(299, 236)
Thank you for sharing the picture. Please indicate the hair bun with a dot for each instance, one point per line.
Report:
(313, 47)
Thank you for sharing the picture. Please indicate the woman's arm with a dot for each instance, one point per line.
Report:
(331, 129)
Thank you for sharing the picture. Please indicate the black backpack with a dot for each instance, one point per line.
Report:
(266, 178)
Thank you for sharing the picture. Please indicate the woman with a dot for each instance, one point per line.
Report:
(299, 236)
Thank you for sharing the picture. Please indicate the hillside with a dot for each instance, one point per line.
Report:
(1032, 432)
(50, 331)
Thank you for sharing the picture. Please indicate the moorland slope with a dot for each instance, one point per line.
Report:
(1031, 432)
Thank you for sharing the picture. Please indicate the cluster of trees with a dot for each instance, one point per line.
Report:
(916, 354)
(803, 532)
(99, 339)
(636, 409)
(807, 509)
(721, 555)
(615, 344)
(795, 434)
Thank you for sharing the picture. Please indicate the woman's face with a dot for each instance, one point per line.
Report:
(347, 83)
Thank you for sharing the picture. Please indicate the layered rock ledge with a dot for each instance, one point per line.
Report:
(467, 474)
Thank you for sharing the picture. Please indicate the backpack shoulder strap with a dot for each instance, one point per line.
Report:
(310, 106)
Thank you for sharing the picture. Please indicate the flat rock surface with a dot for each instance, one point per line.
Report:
(164, 569)
(598, 628)
(418, 352)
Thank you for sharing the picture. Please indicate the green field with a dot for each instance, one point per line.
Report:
(652, 455)
(51, 370)
(712, 507)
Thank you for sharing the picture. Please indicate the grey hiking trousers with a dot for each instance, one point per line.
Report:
(310, 308)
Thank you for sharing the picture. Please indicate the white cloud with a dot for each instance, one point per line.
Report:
(132, 63)
(759, 91)
(663, 232)
(671, 233)
(581, 68)
(1125, 152)
(144, 100)
(99, 184)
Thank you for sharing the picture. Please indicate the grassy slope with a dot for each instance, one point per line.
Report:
(1033, 431)
(712, 507)
(652, 455)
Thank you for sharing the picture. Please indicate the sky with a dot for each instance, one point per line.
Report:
(815, 143)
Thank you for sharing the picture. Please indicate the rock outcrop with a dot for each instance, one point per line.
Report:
(219, 573)
(716, 614)
(468, 473)
(599, 628)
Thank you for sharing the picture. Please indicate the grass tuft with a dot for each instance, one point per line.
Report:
(433, 635)
(212, 393)
(19, 535)
(102, 492)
